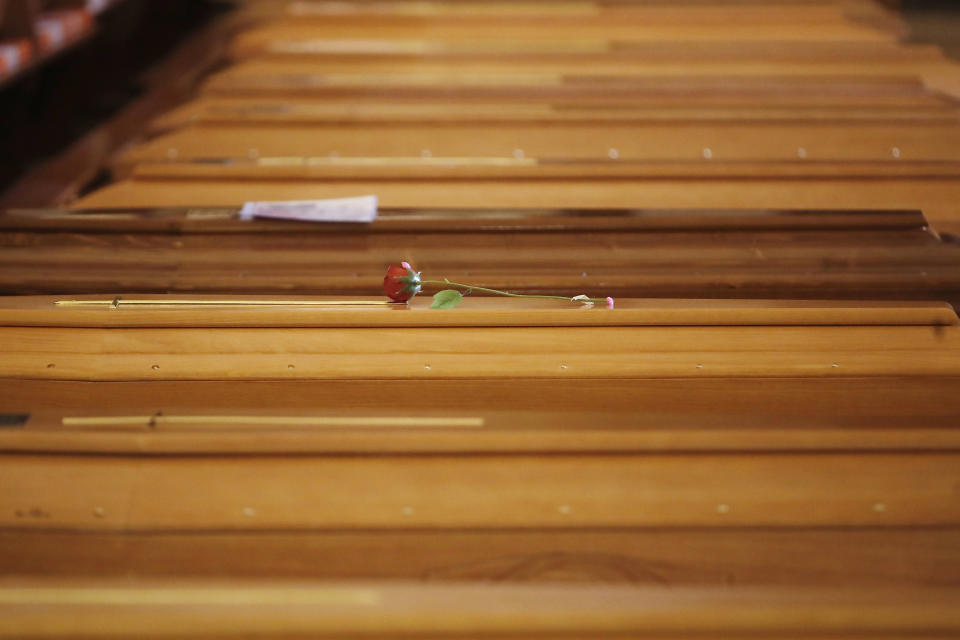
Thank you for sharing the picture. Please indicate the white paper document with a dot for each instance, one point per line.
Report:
(360, 209)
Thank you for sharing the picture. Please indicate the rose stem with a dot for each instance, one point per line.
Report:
(447, 283)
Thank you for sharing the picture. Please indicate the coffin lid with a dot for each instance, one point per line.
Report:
(143, 310)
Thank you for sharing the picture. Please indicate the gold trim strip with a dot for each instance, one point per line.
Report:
(116, 303)
(188, 596)
(330, 422)
(399, 161)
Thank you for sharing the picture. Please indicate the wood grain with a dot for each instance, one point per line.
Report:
(756, 254)
(474, 312)
(781, 465)
(895, 396)
(866, 557)
(505, 341)
(104, 609)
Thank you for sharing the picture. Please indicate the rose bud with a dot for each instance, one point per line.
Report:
(401, 282)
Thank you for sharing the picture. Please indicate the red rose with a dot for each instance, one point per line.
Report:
(401, 282)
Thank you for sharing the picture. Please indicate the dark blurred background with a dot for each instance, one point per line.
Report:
(50, 105)
(935, 21)
(47, 106)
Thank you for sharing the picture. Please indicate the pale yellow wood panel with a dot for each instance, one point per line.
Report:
(903, 93)
(193, 494)
(480, 13)
(183, 609)
(580, 66)
(470, 10)
(397, 48)
(267, 37)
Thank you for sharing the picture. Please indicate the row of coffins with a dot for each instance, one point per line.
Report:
(613, 106)
(223, 426)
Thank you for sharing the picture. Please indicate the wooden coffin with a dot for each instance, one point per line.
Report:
(937, 197)
(652, 443)
(511, 338)
(702, 254)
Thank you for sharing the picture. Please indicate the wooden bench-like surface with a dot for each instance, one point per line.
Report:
(184, 339)
(822, 504)
(183, 609)
(709, 254)
(668, 442)
(574, 30)
(482, 106)
(470, 430)
(937, 197)
(196, 494)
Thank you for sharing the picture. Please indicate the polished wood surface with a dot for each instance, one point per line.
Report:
(476, 99)
(171, 609)
(508, 338)
(710, 254)
(856, 558)
(817, 397)
(539, 511)
(759, 439)
(937, 197)
(475, 430)
(480, 493)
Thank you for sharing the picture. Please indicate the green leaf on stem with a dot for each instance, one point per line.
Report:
(446, 299)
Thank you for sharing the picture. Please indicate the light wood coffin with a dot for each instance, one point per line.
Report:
(652, 443)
